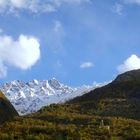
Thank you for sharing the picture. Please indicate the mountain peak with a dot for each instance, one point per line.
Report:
(31, 96)
(35, 81)
(54, 83)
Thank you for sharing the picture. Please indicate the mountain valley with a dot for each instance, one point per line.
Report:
(110, 112)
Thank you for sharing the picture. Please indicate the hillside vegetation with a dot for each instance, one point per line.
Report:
(111, 112)
(119, 98)
(64, 122)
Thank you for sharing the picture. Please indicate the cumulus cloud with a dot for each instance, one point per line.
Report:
(85, 65)
(36, 5)
(22, 53)
(131, 63)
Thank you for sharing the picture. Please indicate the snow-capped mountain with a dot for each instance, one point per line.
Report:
(30, 97)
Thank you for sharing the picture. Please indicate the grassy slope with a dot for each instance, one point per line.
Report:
(107, 113)
(64, 122)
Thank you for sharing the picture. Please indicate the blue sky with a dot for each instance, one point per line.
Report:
(75, 41)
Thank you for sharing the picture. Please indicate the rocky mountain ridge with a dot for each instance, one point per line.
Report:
(31, 96)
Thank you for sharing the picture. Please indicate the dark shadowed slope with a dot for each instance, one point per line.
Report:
(119, 98)
(7, 111)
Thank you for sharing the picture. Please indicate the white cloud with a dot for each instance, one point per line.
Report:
(22, 53)
(1, 30)
(57, 26)
(131, 63)
(36, 5)
(19, 3)
(132, 2)
(118, 8)
(3, 70)
(55, 38)
(85, 65)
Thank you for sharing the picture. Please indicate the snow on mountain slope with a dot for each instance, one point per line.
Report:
(30, 97)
